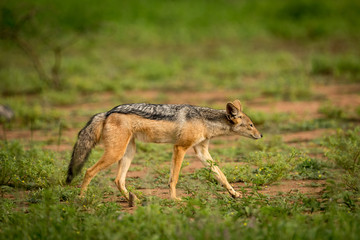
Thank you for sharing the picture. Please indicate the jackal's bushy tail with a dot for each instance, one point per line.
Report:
(88, 137)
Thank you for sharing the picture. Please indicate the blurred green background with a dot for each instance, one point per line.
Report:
(294, 64)
(90, 46)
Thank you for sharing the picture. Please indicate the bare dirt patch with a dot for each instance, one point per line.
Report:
(305, 136)
(307, 187)
(305, 110)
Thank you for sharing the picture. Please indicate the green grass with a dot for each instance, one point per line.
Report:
(207, 212)
(202, 45)
(251, 47)
(343, 149)
(347, 67)
(310, 168)
(28, 168)
(257, 51)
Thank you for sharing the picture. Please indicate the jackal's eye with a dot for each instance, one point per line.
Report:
(251, 125)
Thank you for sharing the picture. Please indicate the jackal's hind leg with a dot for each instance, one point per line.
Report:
(203, 154)
(123, 167)
(115, 148)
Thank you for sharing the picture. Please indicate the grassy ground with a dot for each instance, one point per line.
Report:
(294, 65)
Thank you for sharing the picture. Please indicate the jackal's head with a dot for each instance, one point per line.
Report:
(241, 124)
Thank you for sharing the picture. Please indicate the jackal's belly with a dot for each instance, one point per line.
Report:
(155, 131)
(155, 138)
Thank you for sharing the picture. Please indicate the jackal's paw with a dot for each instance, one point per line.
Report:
(236, 195)
(176, 199)
(133, 200)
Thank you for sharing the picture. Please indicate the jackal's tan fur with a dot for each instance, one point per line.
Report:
(184, 126)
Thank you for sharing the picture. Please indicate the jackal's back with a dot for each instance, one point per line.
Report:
(169, 112)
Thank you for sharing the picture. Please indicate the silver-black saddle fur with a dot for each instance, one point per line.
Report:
(169, 112)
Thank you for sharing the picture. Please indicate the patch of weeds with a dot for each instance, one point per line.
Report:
(311, 204)
(154, 200)
(32, 168)
(205, 174)
(343, 67)
(135, 183)
(55, 194)
(138, 193)
(273, 143)
(136, 168)
(309, 125)
(343, 148)
(263, 168)
(33, 114)
(60, 97)
(313, 185)
(160, 176)
(245, 146)
(332, 112)
(288, 88)
(357, 110)
(271, 167)
(15, 81)
(309, 168)
(268, 119)
(67, 193)
(92, 197)
(225, 154)
(151, 153)
(236, 173)
(296, 20)
(6, 209)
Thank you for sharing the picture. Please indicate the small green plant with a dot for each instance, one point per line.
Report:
(32, 168)
(308, 125)
(309, 168)
(347, 67)
(263, 168)
(288, 88)
(32, 114)
(6, 209)
(357, 110)
(331, 111)
(272, 166)
(344, 149)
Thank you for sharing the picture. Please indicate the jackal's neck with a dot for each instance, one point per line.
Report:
(218, 127)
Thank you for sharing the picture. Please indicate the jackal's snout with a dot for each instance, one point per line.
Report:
(257, 135)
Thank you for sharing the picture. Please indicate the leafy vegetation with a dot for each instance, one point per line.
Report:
(62, 61)
(206, 213)
(344, 150)
(345, 67)
(131, 43)
(28, 169)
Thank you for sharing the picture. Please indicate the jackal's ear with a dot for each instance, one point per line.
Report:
(238, 105)
(232, 110)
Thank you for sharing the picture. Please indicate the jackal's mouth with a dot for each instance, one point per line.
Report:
(257, 136)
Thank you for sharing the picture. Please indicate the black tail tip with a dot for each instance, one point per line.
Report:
(69, 179)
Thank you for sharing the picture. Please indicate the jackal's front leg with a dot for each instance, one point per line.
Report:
(203, 154)
(177, 159)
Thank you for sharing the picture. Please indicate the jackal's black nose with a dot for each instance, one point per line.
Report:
(261, 135)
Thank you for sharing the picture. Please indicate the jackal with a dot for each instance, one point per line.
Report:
(184, 126)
